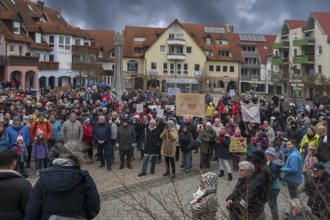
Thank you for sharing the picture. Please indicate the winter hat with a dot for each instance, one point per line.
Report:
(290, 118)
(237, 130)
(152, 121)
(272, 118)
(52, 113)
(26, 117)
(208, 124)
(87, 120)
(19, 138)
(16, 118)
(136, 116)
(41, 114)
(307, 121)
(271, 151)
(39, 132)
(253, 139)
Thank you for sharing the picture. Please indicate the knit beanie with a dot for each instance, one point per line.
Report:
(16, 118)
(19, 138)
(39, 132)
(271, 151)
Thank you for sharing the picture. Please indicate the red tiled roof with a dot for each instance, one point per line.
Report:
(293, 24)
(14, 37)
(40, 46)
(103, 39)
(32, 27)
(36, 14)
(8, 15)
(324, 20)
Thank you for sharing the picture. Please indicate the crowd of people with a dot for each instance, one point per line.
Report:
(288, 147)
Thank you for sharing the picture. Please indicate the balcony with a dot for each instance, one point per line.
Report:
(250, 54)
(281, 45)
(86, 66)
(181, 42)
(280, 60)
(250, 78)
(48, 65)
(303, 42)
(84, 49)
(23, 61)
(304, 59)
(251, 66)
(176, 56)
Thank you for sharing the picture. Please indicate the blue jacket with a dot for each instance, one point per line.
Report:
(293, 168)
(4, 141)
(66, 191)
(56, 130)
(13, 133)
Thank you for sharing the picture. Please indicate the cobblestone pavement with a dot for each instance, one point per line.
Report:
(121, 190)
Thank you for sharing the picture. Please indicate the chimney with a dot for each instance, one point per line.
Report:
(41, 4)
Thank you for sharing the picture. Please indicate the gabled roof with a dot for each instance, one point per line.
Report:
(324, 21)
(32, 27)
(103, 39)
(13, 37)
(36, 14)
(40, 46)
(130, 32)
(8, 15)
(293, 24)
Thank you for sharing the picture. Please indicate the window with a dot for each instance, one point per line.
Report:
(319, 69)
(171, 36)
(207, 40)
(185, 69)
(101, 53)
(64, 43)
(132, 66)
(247, 48)
(45, 57)
(86, 43)
(232, 69)
(11, 49)
(188, 49)
(225, 69)
(51, 58)
(208, 53)
(38, 38)
(295, 52)
(138, 50)
(113, 66)
(172, 69)
(218, 68)
(51, 41)
(178, 68)
(197, 68)
(139, 39)
(221, 41)
(17, 28)
(20, 48)
(153, 65)
(211, 68)
(319, 50)
(76, 41)
(162, 49)
(112, 54)
(165, 68)
(224, 53)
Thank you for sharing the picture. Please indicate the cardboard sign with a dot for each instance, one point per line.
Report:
(286, 106)
(232, 92)
(238, 145)
(250, 112)
(139, 108)
(173, 91)
(190, 104)
(160, 113)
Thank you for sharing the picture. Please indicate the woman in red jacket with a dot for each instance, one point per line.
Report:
(87, 138)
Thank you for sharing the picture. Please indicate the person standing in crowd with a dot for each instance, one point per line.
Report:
(169, 137)
(64, 190)
(40, 152)
(56, 129)
(319, 192)
(101, 135)
(42, 124)
(55, 151)
(275, 185)
(71, 129)
(125, 141)
(207, 137)
(293, 169)
(309, 139)
(15, 190)
(236, 156)
(323, 151)
(22, 153)
(151, 147)
(88, 139)
(3, 138)
(205, 204)
(186, 142)
(223, 153)
(114, 123)
(270, 133)
(17, 129)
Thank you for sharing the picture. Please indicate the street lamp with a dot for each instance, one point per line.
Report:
(296, 83)
(226, 82)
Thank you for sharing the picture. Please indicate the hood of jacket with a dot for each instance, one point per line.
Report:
(60, 179)
(211, 182)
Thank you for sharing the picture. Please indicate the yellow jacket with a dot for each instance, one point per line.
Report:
(314, 141)
(210, 110)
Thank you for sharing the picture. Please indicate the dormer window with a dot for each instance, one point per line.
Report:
(207, 40)
(101, 53)
(38, 38)
(112, 54)
(29, 6)
(17, 28)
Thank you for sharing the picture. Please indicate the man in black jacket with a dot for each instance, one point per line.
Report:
(101, 135)
(14, 188)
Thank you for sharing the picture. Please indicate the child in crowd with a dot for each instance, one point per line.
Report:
(236, 156)
(56, 150)
(40, 151)
(310, 159)
(251, 147)
(261, 137)
(22, 154)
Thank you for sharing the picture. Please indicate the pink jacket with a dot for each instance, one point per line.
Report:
(308, 163)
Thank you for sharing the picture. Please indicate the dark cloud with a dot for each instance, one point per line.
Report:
(248, 16)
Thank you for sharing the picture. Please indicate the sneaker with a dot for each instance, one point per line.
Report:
(121, 167)
(187, 170)
(141, 174)
(152, 172)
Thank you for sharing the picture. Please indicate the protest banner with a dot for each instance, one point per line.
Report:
(250, 112)
(173, 91)
(139, 108)
(238, 145)
(190, 104)
(160, 113)
(61, 89)
(232, 92)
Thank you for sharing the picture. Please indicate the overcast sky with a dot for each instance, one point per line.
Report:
(247, 16)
